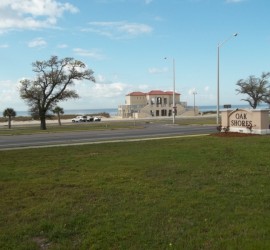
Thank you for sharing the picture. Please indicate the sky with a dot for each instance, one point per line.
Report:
(125, 42)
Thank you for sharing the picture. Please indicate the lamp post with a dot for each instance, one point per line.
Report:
(173, 108)
(218, 48)
(194, 93)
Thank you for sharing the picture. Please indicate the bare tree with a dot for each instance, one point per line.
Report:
(9, 113)
(52, 84)
(256, 88)
(267, 98)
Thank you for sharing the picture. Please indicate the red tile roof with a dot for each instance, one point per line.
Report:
(136, 94)
(156, 92)
(171, 92)
(152, 92)
(160, 92)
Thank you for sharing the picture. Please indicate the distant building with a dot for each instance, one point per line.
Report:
(152, 104)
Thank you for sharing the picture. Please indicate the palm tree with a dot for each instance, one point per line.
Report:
(58, 110)
(9, 112)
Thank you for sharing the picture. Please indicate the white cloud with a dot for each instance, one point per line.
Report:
(6, 86)
(105, 93)
(102, 79)
(103, 90)
(98, 95)
(37, 42)
(119, 30)
(31, 14)
(94, 54)
(9, 96)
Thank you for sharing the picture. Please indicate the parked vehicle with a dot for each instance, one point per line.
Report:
(84, 118)
(76, 119)
(90, 119)
(97, 119)
(79, 118)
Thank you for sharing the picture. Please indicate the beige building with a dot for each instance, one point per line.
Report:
(152, 104)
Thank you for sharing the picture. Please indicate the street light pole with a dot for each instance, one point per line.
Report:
(218, 85)
(173, 104)
(194, 93)
(174, 108)
(218, 50)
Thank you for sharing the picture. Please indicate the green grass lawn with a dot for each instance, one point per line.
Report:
(188, 193)
(106, 124)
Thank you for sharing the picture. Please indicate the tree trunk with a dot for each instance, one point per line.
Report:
(59, 120)
(9, 122)
(43, 121)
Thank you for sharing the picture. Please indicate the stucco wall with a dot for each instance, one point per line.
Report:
(246, 120)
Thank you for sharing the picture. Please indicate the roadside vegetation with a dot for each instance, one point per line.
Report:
(190, 193)
(52, 117)
(53, 84)
(104, 124)
(257, 89)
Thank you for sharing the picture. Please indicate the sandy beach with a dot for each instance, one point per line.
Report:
(64, 121)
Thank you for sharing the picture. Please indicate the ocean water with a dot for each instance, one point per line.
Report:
(114, 111)
(239, 106)
(111, 111)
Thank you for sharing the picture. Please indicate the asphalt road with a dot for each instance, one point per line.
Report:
(86, 137)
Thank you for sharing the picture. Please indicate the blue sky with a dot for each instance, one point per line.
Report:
(125, 41)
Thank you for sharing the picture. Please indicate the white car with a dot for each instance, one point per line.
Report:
(79, 118)
(90, 119)
(97, 119)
